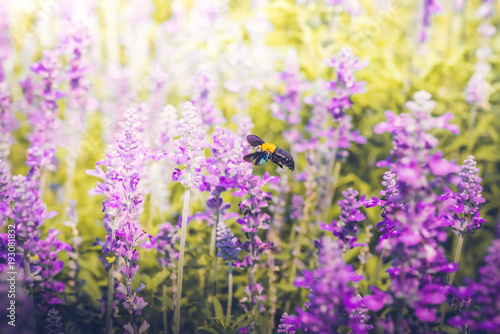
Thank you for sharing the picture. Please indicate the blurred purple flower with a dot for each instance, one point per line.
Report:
(203, 87)
(164, 243)
(4, 191)
(468, 200)
(429, 7)
(414, 217)
(190, 145)
(345, 84)
(123, 205)
(285, 327)
(326, 314)
(54, 322)
(227, 243)
(47, 250)
(347, 228)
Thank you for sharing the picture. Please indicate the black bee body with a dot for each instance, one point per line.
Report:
(265, 151)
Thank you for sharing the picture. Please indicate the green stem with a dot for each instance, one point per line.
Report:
(452, 275)
(457, 256)
(213, 248)
(27, 273)
(229, 292)
(111, 286)
(472, 123)
(180, 267)
(165, 323)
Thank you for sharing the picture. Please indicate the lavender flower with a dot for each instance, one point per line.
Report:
(190, 148)
(44, 120)
(487, 291)
(285, 327)
(326, 314)
(47, 250)
(347, 229)
(469, 200)
(123, 205)
(164, 243)
(4, 191)
(414, 218)
(345, 85)
(227, 243)
(54, 322)
(203, 86)
(297, 207)
(430, 7)
(287, 107)
(7, 121)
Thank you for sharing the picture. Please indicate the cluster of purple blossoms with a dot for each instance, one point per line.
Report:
(326, 314)
(43, 117)
(54, 322)
(285, 327)
(47, 250)
(203, 87)
(122, 206)
(4, 191)
(227, 243)
(190, 146)
(414, 217)
(430, 7)
(345, 84)
(484, 313)
(7, 121)
(164, 243)
(347, 228)
(253, 218)
(478, 88)
(286, 107)
(465, 219)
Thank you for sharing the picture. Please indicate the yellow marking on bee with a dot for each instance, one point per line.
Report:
(268, 147)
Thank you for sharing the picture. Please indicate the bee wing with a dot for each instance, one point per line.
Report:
(282, 157)
(261, 158)
(249, 157)
(254, 140)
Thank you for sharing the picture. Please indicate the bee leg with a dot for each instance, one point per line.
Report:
(279, 165)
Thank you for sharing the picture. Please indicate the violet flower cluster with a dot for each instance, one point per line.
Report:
(227, 243)
(190, 148)
(347, 228)
(164, 243)
(122, 206)
(4, 191)
(414, 218)
(54, 322)
(332, 277)
(483, 315)
(203, 87)
(43, 117)
(430, 7)
(47, 250)
(468, 199)
(478, 88)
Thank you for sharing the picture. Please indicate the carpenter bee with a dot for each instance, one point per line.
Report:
(265, 151)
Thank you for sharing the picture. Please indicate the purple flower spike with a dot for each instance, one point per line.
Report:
(190, 145)
(54, 322)
(164, 242)
(4, 191)
(344, 64)
(203, 87)
(227, 243)
(286, 325)
(326, 314)
(347, 228)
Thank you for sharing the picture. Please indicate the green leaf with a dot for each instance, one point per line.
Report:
(208, 329)
(219, 314)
